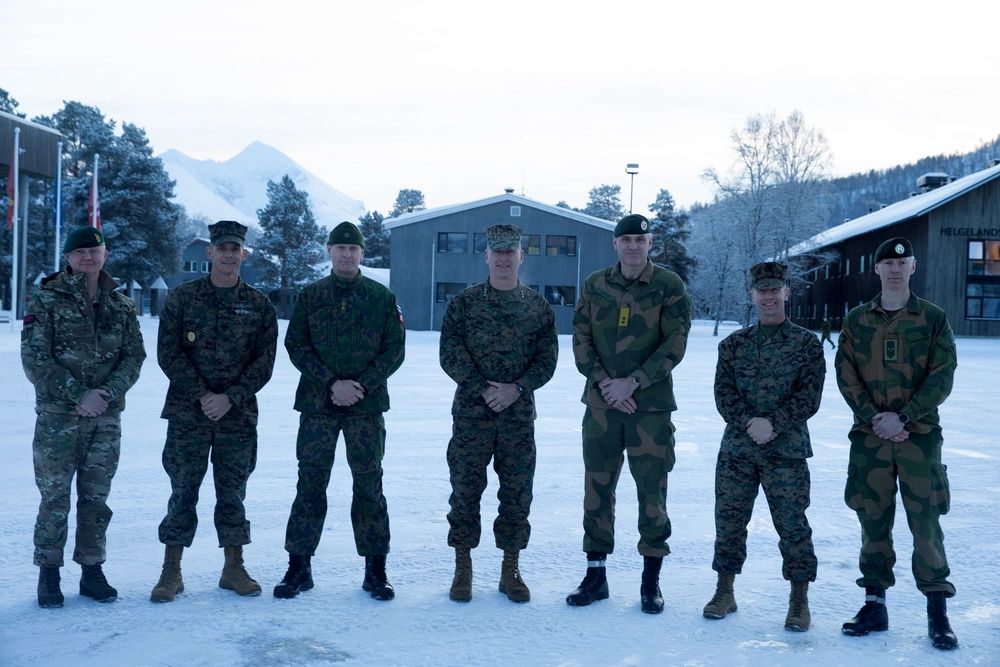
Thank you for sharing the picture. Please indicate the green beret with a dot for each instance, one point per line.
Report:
(768, 274)
(346, 233)
(225, 231)
(632, 224)
(503, 237)
(83, 237)
(893, 248)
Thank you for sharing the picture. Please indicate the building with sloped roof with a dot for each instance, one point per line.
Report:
(954, 226)
(436, 253)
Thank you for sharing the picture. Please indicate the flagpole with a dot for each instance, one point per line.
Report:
(94, 196)
(58, 208)
(15, 254)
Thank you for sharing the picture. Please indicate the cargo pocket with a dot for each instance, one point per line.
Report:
(940, 498)
(852, 496)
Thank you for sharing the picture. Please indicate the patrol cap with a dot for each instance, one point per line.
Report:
(346, 233)
(632, 224)
(503, 237)
(227, 231)
(83, 237)
(768, 274)
(894, 248)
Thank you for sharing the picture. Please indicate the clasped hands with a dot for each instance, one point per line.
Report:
(500, 395)
(346, 393)
(888, 427)
(93, 403)
(215, 406)
(617, 393)
(761, 430)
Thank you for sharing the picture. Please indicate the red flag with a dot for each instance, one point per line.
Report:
(94, 202)
(10, 196)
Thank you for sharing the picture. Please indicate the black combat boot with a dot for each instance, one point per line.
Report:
(873, 617)
(594, 586)
(376, 583)
(94, 585)
(298, 578)
(649, 591)
(49, 593)
(938, 627)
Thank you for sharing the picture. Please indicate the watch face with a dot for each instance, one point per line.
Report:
(903, 418)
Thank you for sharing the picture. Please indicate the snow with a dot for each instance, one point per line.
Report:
(336, 622)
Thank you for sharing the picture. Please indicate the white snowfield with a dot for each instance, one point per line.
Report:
(337, 622)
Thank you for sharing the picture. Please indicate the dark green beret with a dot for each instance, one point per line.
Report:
(893, 249)
(632, 224)
(503, 237)
(346, 233)
(768, 274)
(83, 237)
(225, 231)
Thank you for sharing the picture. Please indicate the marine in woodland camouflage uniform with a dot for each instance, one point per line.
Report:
(630, 331)
(82, 350)
(216, 344)
(768, 382)
(347, 337)
(895, 363)
(499, 343)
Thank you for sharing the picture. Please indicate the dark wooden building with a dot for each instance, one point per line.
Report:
(954, 226)
(436, 253)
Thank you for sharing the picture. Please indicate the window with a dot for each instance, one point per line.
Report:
(827, 275)
(447, 291)
(479, 243)
(982, 280)
(190, 266)
(847, 267)
(205, 267)
(556, 245)
(861, 264)
(453, 242)
(826, 310)
(532, 244)
(561, 295)
(515, 211)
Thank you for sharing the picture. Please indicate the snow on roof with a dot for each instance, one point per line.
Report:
(907, 209)
(30, 123)
(429, 213)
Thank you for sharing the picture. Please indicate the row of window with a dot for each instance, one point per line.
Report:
(557, 295)
(982, 280)
(196, 267)
(556, 245)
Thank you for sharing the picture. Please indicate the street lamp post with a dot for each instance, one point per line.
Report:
(632, 168)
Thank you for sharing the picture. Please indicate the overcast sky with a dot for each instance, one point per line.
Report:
(461, 99)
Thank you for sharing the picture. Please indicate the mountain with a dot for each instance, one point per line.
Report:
(236, 188)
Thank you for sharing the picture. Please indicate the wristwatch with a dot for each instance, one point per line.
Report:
(520, 387)
(903, 419)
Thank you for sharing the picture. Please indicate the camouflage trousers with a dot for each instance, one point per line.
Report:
(786, 486)
(364, 438)
(873, 471)
(188, 449)
(87, 447)
(647, 439)
(511, 445)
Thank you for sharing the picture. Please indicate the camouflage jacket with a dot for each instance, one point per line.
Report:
(210, 344)
(488, 334)
(636, 328)
(896, 363)
(779, 378)
(345, 330)
(69, 347)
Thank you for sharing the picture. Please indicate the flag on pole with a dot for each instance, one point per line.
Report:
(94, 202)
(11, 184)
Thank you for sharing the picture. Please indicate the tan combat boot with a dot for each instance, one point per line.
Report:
(170, 583)
(723, 602)
(461, 585)
(234, 575)
(511, 583)
(798, 607)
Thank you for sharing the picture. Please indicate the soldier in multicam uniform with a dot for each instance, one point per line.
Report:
(499, 343)
(895, 365)
(82, 350)
(629, 332)
(216, 345)
(768, 382)
(347, 337)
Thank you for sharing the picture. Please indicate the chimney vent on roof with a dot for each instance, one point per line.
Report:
(933, 180)
(509, 191)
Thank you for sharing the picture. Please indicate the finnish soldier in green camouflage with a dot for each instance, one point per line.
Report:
(630, 331)
(768, 382)
(216, 345)
(895, 364)
(82, 350)
(347, 337)
(499, 343)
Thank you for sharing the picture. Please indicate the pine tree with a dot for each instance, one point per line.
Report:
(668, 228)
(376, 240)
(407, 201)
(605, 203)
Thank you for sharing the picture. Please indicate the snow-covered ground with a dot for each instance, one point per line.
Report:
(337, 622)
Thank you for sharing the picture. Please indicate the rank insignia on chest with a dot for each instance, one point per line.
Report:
(190, 336)
(623, 314)
(891, 350)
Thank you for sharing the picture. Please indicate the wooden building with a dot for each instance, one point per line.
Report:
(954, 226)
(436, 253)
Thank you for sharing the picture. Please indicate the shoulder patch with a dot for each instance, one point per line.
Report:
(29, 320)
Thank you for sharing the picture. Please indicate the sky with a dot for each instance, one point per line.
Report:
(549, 97)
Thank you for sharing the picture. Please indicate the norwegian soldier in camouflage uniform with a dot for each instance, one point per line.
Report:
(768, 382)
(630, 331)
(82, 350)
(895, 365)
(346, 336)
(216, 345)
(499, 343)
